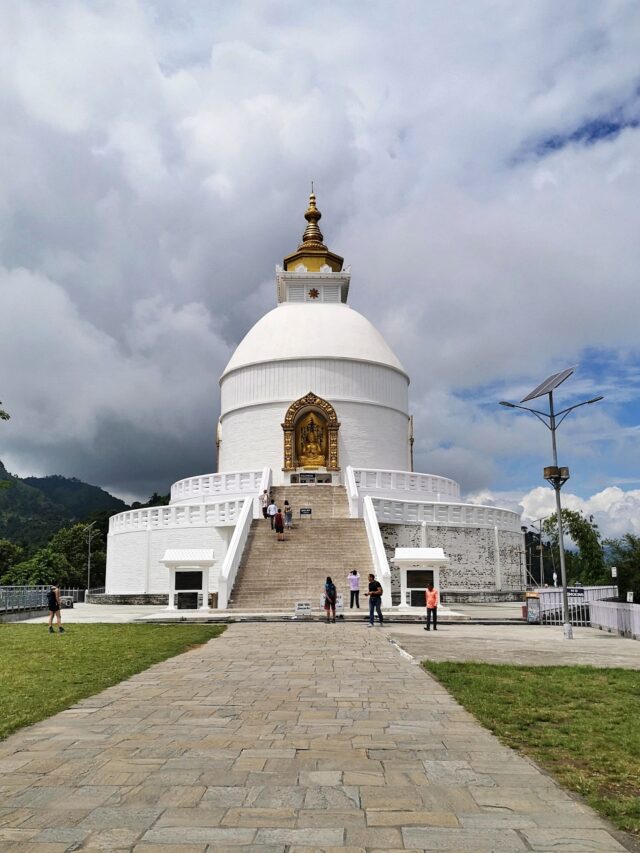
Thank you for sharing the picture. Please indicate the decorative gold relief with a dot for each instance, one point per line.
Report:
(311, 434)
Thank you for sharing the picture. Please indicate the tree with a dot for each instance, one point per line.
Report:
(10, 555)
(625, 555)
(71, 543)
(587, 565)
(44, 568)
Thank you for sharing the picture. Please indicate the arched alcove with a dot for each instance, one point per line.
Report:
(311, 435)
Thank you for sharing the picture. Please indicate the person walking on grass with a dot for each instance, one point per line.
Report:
(431, 600)
(330, 596)
(354, 589)
(272, 509)
(278, 522)
(375, 600)
(53, 603)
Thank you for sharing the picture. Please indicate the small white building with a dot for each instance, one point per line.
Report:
(314, 396)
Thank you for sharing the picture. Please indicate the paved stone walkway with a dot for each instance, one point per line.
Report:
(280, 737)
(527, 645)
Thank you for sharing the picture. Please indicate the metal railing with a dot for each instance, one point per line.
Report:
(14, 598)
(579, 599)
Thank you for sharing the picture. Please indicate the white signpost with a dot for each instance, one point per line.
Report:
(303, 608)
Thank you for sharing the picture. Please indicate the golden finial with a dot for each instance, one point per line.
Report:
(312, 251)
(312, 234)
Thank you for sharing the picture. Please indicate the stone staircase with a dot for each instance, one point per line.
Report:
(274, 575)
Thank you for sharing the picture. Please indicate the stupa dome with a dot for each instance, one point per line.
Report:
(313, 331)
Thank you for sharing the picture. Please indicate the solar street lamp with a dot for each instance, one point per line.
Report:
(554, 474)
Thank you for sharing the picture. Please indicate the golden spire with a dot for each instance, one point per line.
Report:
(312, 252)
(312, 234)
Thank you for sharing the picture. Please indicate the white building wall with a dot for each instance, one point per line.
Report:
(133, 557)
(371, 402)
(368, 435)
(330, 378)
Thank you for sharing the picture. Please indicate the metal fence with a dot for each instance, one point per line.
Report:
(14, 598)
(579, 599)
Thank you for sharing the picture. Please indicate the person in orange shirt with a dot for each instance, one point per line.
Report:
(431, 596)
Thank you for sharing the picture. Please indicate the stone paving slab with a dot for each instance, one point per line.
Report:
(526, 645)
(281, 738)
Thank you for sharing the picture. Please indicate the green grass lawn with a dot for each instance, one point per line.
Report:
(42, 673)
(580, 723)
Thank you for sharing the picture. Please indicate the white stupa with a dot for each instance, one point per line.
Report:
(314, 398)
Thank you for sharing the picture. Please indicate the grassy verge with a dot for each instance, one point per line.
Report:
(578, 722)
(41, 674)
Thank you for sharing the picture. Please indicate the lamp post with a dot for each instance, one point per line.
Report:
(554, 475)
(89, 534)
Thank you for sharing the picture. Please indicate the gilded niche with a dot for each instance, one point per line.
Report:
(311, 441)
(311, 434)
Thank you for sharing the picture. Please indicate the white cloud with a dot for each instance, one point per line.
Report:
(154, 164)
(613, 509)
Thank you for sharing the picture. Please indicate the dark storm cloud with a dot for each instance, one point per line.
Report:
(154, 164)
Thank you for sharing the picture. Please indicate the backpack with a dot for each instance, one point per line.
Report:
(330, 591)
(52, 601)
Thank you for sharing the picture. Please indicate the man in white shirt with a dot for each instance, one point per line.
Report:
(272, 509)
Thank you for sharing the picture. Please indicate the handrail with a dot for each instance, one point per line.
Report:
(231, 562)
(376, 546)
(217, 485)
(352, 492)
(374, 480)
(448, 513)
(217, 513)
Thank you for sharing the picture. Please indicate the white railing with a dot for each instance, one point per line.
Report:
(579, 598)
(448, 514)
(409, 483)
(378, 554)
(352, 492)
(223, 513)
(617, 616)
(263, 486)
(231, 562)
(199, 489)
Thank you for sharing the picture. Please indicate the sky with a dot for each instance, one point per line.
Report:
(476, 164)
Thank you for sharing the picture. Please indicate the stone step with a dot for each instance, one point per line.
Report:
(274, 575)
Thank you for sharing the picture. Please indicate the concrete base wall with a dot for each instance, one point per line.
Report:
(159, 600)
(483, 561)
(20, 615)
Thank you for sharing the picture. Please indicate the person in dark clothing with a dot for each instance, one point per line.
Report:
(375, 600)
(278, 522)
(53, 603)
(330, 596)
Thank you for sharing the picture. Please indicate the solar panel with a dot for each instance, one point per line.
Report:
(549, 384)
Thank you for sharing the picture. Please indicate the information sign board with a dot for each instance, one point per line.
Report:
(303, 608)
(533, 610)
(306, 511)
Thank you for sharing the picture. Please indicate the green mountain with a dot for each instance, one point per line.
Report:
(80, 499)
(34, 508)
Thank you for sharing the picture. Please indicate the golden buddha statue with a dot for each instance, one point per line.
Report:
(311, 446)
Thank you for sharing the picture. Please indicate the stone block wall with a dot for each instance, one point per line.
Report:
(476, 571)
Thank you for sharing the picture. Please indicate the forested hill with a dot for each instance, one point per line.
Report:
(34, 508)
(80, 499)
